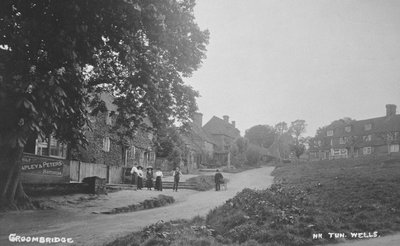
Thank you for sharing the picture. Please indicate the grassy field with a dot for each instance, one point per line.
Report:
(313, 198)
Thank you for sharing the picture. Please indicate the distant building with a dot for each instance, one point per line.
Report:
(375, 136)
(223, 135)
(199, 143)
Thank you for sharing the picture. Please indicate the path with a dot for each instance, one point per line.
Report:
(90, 229)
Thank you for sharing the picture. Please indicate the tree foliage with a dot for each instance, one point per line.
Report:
(56, 57)
(283, 139)
(238, 152)
(261, 135)
(297, 128)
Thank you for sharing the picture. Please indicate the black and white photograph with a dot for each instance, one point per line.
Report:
(200, 122)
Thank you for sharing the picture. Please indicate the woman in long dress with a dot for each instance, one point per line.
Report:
(139, 177)
(159, 176)
(149, 178)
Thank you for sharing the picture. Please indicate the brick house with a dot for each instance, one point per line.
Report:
(49, 161)
(344, 139)
(105, 147)
(199, 143)
(223, 135)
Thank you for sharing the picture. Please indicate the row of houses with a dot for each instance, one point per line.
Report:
(357, 138)
(108, 156)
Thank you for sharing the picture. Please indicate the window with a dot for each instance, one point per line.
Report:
(106, 144)
(131, 152)
(42, 146)
(392, 136)
(54, 149)
(343, 140)
(393, 148)
(329, 133)
(339, 153)
(152, 156)
(347, 129)
(367, 138)
(108, 118)
(367, 127)
(367, 150)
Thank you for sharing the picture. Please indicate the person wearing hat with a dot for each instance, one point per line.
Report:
(176, 174)
(218, 180)
(149, 178)
(159, 176)
(139, 177)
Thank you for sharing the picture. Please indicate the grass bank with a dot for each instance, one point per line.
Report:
(312, 199)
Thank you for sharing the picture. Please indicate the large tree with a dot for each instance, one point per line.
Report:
(297, 129)
(282, 139)
(261, 135)
(56, 57)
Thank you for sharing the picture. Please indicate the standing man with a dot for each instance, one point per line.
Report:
(177, 174)
(218, 178)
(134, 172)
(159, 176)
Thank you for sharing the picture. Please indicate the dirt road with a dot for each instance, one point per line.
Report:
(97, 229)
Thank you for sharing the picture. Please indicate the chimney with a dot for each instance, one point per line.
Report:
(198, 119)
(390, 110)
(226, 118)
(234, 123)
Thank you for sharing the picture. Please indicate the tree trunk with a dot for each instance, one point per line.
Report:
(12, 192)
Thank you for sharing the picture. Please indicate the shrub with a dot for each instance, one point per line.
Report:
(202, 182)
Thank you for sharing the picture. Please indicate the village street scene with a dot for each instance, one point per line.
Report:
(185, 122)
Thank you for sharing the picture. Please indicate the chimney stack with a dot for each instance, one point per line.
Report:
(234, 123)
(198, 119)
(390, 110)
(226, 118)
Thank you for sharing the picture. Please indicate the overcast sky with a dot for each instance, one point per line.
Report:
(279, 60)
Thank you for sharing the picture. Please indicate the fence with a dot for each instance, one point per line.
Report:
(80, 170)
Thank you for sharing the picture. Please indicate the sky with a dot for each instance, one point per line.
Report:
(318, 60)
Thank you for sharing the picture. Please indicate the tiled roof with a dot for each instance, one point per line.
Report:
(217, 126)
(378, 125)
(196, 137)
(199, 132)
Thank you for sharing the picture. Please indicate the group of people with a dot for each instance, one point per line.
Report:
(138, 176)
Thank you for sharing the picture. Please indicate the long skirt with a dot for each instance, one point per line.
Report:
(158, 183)
(139, 183)
(149, 183)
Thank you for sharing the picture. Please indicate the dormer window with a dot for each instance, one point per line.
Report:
(329, 133)
(347, 129)
(368, 127)
(367, 138)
